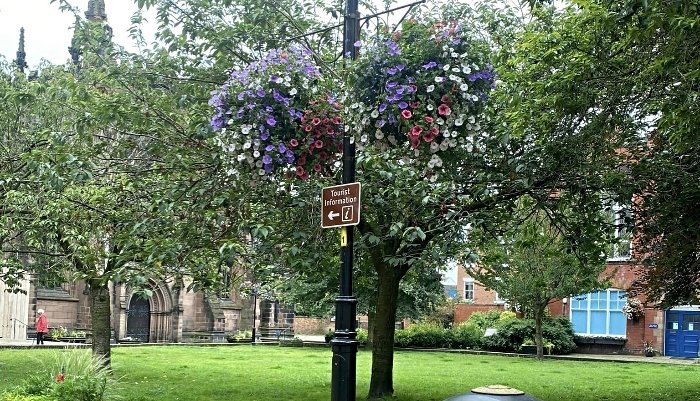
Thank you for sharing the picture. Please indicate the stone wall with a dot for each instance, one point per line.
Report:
(312, 325)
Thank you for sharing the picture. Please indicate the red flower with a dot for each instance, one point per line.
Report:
(444, 110)
(323, 156)
(293, 143)
(414, 88)
(317, 168)
(415, 142)
(414, 105)
(429, 137)
(428, 119)
(315, 121)
(336, 120)
(435, 131)
(300, 170)
(304, 176)
(446, 99)
(60, 377)
(416, 130)
(406, 114)
(325, 120)
(308, 128)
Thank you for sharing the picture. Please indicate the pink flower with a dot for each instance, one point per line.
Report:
(406, 114)
(416, 130)
(304, 176)
(293, 143)
(317, 168)
(428, 119)
(300, 171)
(444, 110)
(429, 137)
(308, 128)
(446, 99)
(318, 144)
(315, 121)
(414, 105)
(415, 142)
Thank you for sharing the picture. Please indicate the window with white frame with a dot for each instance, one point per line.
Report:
(621, 218)
(599, 313)
(469, 289)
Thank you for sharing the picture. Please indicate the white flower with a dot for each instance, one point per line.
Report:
(475, 98)
(464, 87)
(455, 54)
(247, 145)
(391, 139)
(446, 67)
(245, 130)
(439, 79)
(440, 121)
(434, 147)
(466, 69)
(472, 120)
(259, 164)
(459, 121)
(455, 69)
(241, 157)
(430, 88)
(430, 107)
(379, 134)
(363, 138)
(292, 91)
(375, 114)
(455, 78)
(416, 152)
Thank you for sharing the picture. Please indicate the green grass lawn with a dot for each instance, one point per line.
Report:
(265, 373)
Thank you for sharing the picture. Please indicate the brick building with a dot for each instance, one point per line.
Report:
(598, 318)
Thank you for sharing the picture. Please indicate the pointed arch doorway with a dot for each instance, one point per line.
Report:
(138, 320)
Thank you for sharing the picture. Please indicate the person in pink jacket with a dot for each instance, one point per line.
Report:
(42, 326)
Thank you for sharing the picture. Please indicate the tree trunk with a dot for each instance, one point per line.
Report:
(100, 316)
(381, 384)
(538, 333)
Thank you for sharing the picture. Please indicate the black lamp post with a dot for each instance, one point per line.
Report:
(344, 343)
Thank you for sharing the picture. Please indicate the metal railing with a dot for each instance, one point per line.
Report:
(15, 322)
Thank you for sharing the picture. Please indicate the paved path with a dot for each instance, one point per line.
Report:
(4, 343)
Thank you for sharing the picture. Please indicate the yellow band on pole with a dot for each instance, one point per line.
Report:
(343, 236)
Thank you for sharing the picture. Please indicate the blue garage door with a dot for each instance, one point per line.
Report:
(682, 334)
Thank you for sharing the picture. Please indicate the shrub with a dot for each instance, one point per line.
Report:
(484, 320)
(510, 335)
(466, 335)
(560, 333)
(362, 336)
(292, 342)
(424, 335)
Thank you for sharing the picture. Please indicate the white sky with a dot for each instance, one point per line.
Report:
(47, 31)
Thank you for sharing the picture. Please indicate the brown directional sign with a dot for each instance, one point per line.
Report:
(340, 205)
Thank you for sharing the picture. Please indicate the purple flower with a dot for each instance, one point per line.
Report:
(218, 121)
(430, 65)
(240, 112)
(267, 159)
(382, 107)
(265, 135)
(390, 84)
(403, 105)
(400, 67)
(282, 149)
(392, 71)
(399, 90)
(271, 121)
(241, 96)
(358, 43)
(269, 148)
(260, 92)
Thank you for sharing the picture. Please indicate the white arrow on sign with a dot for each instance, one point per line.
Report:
(333, 214)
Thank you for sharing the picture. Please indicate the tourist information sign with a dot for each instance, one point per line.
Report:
(340, 205)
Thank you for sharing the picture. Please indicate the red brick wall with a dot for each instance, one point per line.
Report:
(463, 311)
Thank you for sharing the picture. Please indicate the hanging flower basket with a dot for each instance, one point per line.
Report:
(276, 115)
(422, 88)
(633, 309)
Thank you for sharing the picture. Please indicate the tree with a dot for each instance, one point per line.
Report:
(532, 264)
